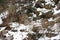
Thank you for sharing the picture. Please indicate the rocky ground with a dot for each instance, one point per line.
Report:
(43, 25)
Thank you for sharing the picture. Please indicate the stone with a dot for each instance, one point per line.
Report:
(48, 6)
(50, 35)
(44, 23)
(40, 4)
(57, 19)
(58, 6)
(36, 12)
(47, 15)
(56, 1)
(35, 29)
(14, 30)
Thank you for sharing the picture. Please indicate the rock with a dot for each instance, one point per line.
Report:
(35, 29)
(30, 9)
(22, 18)
(47, 15)
(14, 30)
(48, 6)
(23, 30)
(8, 28)
(9, 37)
(1, 9)
(42, 1)
(4, 32)
(50, 35)
(36, 12)
(58, 6)
(26, 21)
(35, 36)
(34, 19)
(39, 35)
(39, 4)
(44, 23)
(56, 15)
(51, 23)
(56, 1)
(57, 19)
(29, 14)
(32, 36)
(48, 29)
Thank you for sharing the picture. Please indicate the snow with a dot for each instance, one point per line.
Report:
(43, 31)
(34, 15)
(18, 35)
(22, 27)
(56, 11)
(51, 19)
(21, 35)
(2, 28)
(46, 38)
(56, 37)
(43, 10)
(4, 14)
(1, 21)
(41, 39)
(49, 2)
(14, 24)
